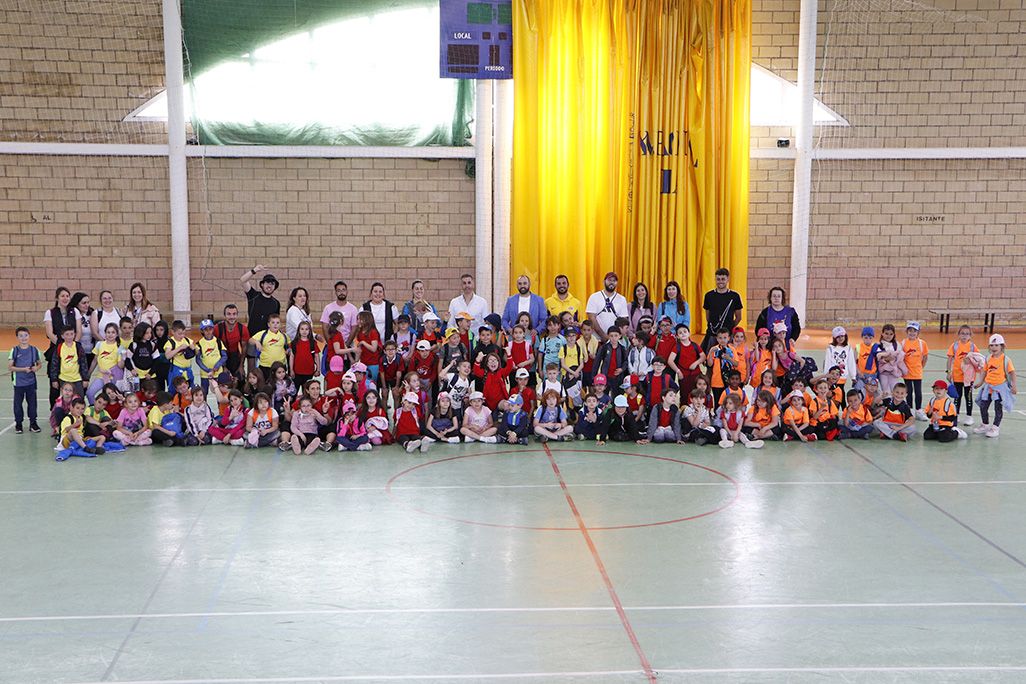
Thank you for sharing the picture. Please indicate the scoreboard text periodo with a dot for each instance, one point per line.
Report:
(476, 40)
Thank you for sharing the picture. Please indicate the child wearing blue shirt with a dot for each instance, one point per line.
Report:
(23, 363)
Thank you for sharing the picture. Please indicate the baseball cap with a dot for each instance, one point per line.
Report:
(349, 374)
(644, 318)
(515, 399)
(912, 325)
(411, 397)
(868, 330)
(431, 316)
(620, 401)
(996, 339)
(523, 373)
(736, 330)
(359, 367)
(600, 380)
(475, 395)
(451, 331)
(762, 331)
(839, 331)
(348, 407)
(779, 326)
(629, 381)
(464, 315)
(423, 345)
(206, 323)
(224, 378)
(572, 330)
(794, 394)
(336, 364)
(940, 384)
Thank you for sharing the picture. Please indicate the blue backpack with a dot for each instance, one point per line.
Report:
(172, 422)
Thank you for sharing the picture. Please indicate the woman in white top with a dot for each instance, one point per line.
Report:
(107, 313)
(298, 311)
(83, 312)
(384, 311)
(139, 306)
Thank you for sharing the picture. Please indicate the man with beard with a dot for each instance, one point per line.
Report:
(606, 305)
(722, 309)
(469, 302)
(524, 301)
(561, 300)
(342, 305)
(261, 304)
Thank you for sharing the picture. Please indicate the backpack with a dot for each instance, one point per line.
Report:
(172, 422)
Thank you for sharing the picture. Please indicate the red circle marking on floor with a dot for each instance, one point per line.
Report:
(397, 476)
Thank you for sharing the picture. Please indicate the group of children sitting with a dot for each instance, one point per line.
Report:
(649, 384)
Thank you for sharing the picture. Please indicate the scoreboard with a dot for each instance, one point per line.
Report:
(476, 39)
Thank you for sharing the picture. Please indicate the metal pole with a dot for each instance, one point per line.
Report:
(483, 191)
(802, 196)
(503, 187)
(174, 71)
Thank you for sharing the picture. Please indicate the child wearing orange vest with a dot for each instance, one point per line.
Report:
(942, 415)
(959, 349)
(857, 419)
(997, 383)
(916, 354)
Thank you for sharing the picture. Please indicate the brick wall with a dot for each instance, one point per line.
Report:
(312, 221)
(71, 71)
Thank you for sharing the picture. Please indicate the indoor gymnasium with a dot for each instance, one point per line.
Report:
(512, 341)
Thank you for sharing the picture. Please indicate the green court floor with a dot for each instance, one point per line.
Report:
(862, 562)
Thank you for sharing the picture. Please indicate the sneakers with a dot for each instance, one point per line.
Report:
(811, 438)
(284, 446)
(788, 438)
(425, 444)
(579, 437)
(921, 415)
(89, 450)
(902, 437)
(754, 444)
(968, 420)
(994, 431)
(34, 428)
(325, 447)
(237, 442)
(99, 451)
(364, 447)
(490, 440)
(168, 442)
(543, 439)
(453, 440)
(18, 430)
(726, 444)
(412, 445)
(980, 429)
(962, 434)
(701, 441)
(341, 448)
(570, 438)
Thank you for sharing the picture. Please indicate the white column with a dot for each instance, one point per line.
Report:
(503, 188)
(179, 196)
(801, 200)
(483, 191)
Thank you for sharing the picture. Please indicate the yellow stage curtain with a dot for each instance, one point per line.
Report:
(631, 143)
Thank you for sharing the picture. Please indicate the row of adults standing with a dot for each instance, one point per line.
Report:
(723, 308)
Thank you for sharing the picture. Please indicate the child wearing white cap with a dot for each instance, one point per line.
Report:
(407, 423)
(997, 385)
(478, 424)
(916, 354)
(841, 354)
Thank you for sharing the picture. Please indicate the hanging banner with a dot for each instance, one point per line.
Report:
(476, 39)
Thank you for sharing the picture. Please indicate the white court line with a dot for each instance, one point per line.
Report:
(883, 668)
(832, 483)
(389, 678)
(9, 427)
(587, 673)
(530, 609)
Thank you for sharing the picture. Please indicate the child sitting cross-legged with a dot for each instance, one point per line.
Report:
(857, 418)
(664, 420)
(550, 420)
(897, 421)
(732, 421)
(514, 423)
(796, 419)
(620, 424)
(589, 419)
(478, 424)
(696, 420)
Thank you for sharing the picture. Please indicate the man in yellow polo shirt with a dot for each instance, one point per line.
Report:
(561, 300)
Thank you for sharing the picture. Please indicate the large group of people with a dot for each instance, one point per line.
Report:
(416, 374)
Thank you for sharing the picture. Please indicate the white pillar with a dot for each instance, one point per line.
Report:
(801, 200)
(174, 72)
(483, 191)
(503, 188)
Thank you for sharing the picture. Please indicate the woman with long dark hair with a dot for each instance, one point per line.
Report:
(298, 311)
(674, 306)
(56, 320)
(641, 305)
(140, 308)
(779, 310)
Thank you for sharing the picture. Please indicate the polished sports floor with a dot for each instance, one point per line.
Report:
(850, 562)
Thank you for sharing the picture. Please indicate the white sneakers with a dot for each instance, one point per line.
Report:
(364, 447)
(981, 429)
(453, 440)
(921, 415)
(962, 434)
(752, 443)
(968, 420)
(425, 444)
(726, 444)
(994, 431)
(412, 445)
(490, 440)
(237, 442)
